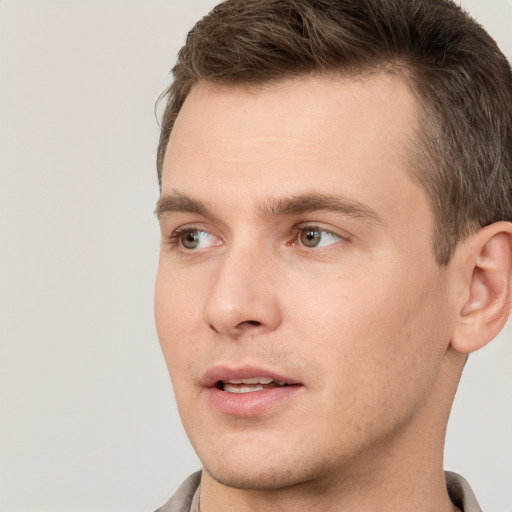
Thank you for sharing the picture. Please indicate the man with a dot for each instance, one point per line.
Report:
(336, 208)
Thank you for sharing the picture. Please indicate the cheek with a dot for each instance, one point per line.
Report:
(381, 337)
(179, 295)
(178, 317)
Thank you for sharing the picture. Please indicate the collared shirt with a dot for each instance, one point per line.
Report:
(186, 498)
(194, 507)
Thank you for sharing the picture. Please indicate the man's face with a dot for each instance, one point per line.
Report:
(296, 256)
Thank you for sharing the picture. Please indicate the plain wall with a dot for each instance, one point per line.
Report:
(87, 418)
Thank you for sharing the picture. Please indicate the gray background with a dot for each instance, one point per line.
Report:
(87, 418)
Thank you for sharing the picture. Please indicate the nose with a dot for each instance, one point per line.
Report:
(244, 296)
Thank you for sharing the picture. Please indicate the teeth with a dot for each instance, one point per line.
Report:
(257, 380)
(252, 380)
(246, 385)
(241, 389)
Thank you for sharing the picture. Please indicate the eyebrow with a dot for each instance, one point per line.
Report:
(307, 203)
(177, 202)
(292, 205)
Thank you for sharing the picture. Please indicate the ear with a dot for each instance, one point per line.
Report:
(486, 301)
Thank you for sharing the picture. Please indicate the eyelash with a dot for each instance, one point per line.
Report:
(174, 240)
(302, 228)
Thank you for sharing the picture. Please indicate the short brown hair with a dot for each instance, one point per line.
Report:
(463, 154)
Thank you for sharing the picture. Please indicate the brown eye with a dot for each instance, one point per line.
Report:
(194, 239)
(313, 237)
(310, 237)
(190, 239)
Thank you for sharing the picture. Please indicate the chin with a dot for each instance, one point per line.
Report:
(265, 470)
(265, 458)
(258, 479)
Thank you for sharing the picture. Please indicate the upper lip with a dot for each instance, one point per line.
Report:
(225, 373)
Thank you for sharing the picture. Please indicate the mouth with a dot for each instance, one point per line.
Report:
(249, 385)
(247, 391)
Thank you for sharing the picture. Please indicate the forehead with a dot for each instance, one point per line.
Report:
(322, 133)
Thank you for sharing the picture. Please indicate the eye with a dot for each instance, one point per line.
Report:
(312, 236)
(193, 239)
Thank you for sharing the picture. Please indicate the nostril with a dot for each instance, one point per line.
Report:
(238, 329)
(251, 322)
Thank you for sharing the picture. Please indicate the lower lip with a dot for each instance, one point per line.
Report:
(249, 404)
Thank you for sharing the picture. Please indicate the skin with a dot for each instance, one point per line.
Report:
(363, 321)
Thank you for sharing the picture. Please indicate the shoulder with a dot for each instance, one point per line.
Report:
(182, 498)
(460, 493)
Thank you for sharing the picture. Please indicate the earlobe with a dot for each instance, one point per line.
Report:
(487, 301)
